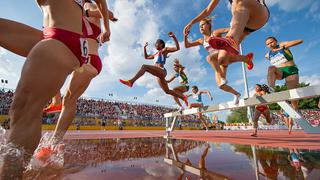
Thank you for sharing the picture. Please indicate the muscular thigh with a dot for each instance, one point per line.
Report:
(258, 14)
(181, 89)
(292, 81)
(46, 69)
(17, 37)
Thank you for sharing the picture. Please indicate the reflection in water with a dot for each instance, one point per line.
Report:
(273, 163)
(158, 158)
(201, 171)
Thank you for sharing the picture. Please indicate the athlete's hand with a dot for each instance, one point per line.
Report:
(105, 36)
(187, 29)
(146, 44)
(114, 19)
(170, 34)
(111, 17)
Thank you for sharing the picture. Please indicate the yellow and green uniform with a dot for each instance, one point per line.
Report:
(184, 79)
(281, 56)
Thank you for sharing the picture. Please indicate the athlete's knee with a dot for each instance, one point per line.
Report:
(144, 67)
(221, 86)
(167, 91)
(271, 69)
(69, 99)
(209, 59)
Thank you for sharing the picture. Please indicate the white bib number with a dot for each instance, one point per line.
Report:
(84, 47)
(278, 59)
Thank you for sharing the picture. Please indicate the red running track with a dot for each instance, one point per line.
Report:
(267, 138)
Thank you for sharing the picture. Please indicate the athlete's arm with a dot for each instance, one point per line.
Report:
(206, 12)
(188, 44)
(103, 8)
(208, 93)
(173, 49)
(288, 44)
(146, 55)
(219, 32)
(171, 79)
(96, 14)
(188, 95)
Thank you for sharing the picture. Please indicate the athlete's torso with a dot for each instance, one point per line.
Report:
(197, 97)
(56, 15)
(257, 95)
(159, 58)
(184, 78)
(259, 1)
(280, 57)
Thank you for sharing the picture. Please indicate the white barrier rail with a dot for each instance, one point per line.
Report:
(278, 97)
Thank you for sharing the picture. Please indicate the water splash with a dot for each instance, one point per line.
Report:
(53, 154)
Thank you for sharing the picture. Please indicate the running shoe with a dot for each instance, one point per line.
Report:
(48, 154)
(52, 109)
(254, 135)
(126, 82)
(44, 153)
(227, 43)
(249, 62)
(236, 99)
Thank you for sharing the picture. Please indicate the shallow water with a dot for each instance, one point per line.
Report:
(158, 158)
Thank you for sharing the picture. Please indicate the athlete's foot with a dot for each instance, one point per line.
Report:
(248, 62)
(185, 100)
(126, 82)
(254, 135)
(180, 109)
(236, 99)
(52, 108)
(44, 153)
(227, 43)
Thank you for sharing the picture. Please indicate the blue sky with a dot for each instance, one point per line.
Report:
(148, 20)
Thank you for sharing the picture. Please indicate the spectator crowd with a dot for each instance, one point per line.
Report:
(110, 112)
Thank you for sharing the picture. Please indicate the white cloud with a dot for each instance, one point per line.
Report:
(237, 82)
(157, 94)
(314, 11)
(10, 68)
(313, 79)
(140, 23)
(3, 52)
(289, 5)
